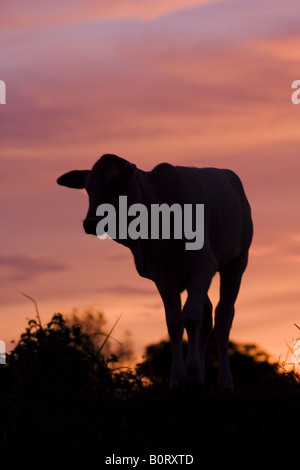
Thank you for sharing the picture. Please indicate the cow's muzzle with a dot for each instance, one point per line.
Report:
(89, 226)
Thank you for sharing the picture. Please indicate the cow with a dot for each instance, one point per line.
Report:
(228, 231)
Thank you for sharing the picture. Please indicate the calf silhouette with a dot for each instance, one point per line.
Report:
(228, 233)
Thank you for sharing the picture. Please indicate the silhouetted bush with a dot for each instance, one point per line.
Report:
(59, 392)
(248, 363)
(93, 324)
(58, 361)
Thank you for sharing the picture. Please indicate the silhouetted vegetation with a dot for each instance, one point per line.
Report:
(93, 324)
(58, 361)
(248, 363)
(61, 389)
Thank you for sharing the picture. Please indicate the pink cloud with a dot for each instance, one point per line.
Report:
(88, 85)
(71, 12)
(21, 267)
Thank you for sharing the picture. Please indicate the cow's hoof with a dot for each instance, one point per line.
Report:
(226, 389)
(177, 385)
(195, 389)
(177, 388)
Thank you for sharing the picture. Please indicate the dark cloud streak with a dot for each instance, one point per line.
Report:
(23, 267)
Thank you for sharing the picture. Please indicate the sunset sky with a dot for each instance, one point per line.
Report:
(196, 83)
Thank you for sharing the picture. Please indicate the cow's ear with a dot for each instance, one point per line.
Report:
(130, 169)
(73, 179)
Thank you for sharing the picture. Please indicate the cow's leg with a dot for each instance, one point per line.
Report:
(172, 304)
(196, 315)
(205, 330)
(230, 281)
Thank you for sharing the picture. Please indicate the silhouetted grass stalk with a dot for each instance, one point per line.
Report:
(293, 366)
(36, 308)
(110, 332)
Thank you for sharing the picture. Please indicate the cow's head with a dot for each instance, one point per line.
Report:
(109, 178)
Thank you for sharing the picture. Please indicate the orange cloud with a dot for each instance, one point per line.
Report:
(20, 267)
(36, 14)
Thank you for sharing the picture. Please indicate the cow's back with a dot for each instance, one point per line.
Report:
(227, 221)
